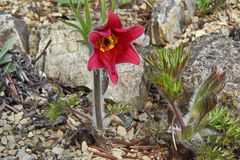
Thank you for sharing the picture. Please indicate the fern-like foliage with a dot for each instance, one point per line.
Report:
(209, 6)
(119, 108)
(221, 146)
(172, 61)
(168, 85)
(205, 98)
(57, 108)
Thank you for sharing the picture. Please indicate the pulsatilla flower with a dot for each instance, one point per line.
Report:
(112, 44)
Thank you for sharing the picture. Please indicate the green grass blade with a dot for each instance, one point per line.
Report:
(8, 45)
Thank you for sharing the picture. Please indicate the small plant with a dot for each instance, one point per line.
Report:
(57, 108)
(209, 6)
(221, 145)
(118, 108)
(4, 56)
(85, 21)
(168, 64)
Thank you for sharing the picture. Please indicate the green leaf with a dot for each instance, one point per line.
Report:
(87, 15)
(73, 25)
(103, 11)
(5, 59)
(64, 2)
(11, 67)
(8, 45)
(113, 5)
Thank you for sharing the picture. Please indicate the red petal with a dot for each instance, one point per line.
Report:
(114, 77)
(95, 36)
(94, 62)
(112, 22)
(128, 35)
(130, 55)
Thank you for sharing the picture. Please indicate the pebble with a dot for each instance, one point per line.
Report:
(200, 33)
(2, 148)
(143, 117)
(4, 140)
(116, 121)
(12, 152)
(30, 135)
(1, 130)
(18, 117)
(59, 133)
(24, 121)
(146, 158)
(131, 134)
(121, 131)
(118, 153)
(58, 150)
(84, 146)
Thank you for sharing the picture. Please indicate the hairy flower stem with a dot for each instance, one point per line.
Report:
(98, 98)
(178, 116)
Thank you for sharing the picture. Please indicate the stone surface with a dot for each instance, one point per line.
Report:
(168, 19)
(13, 27)
(58, 150)
(214, 50)
(121, 131)
(67, 59)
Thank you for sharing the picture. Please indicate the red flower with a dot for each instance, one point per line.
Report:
(112, 45)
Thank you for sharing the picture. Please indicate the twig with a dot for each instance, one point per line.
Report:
(108, 156)
(80, 114)
(43, 52)
(178, 116)
(173, 137)
(13, 89)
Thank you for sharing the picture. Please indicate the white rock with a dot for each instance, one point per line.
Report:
(30, 135)
(24, 121)
(4, 140)
(58, 150)
(131, 134)
(143, 117)
(121, 131)
(64, 48)
(146, 158)
(116, 121)
(18, 117)
(200, 33)
(118, 153)
(1, 148)
(84, 146)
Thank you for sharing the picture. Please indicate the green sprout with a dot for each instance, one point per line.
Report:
(4, 56)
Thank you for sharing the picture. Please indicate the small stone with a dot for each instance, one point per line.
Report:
(118, 153)
(58, 150)
(116, 121)
(121, 131)
(11, 118)
(143, 117)
(2, 148)
(48, 143)
(18, 117)
(131, 134)
(146, 158)
(195, 19)
(210, 30)
(30, 135)
(200, 33)
(4, 140)
(11, 142)
(59, 133)
(12, 152)
(1, 130)
(24, 121)
(84, 146)
(21, 143)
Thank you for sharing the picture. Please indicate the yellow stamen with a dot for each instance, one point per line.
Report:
(106, 44)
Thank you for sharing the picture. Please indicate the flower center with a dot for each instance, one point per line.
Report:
(106, 44)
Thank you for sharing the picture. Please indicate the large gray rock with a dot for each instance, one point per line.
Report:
(168, 19)
(215, 50)
(67, 60)
(13, 27)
